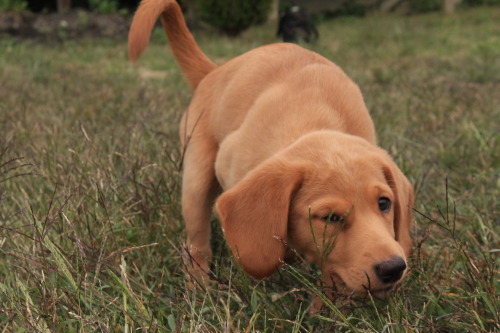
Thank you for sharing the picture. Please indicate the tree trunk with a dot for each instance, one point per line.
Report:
(449, 6)
(274, 15)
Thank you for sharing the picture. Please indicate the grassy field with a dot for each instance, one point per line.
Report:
(90, 166)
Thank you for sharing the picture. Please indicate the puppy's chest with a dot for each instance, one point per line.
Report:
(237, 157)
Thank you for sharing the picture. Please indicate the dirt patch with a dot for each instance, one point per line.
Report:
(61, 26)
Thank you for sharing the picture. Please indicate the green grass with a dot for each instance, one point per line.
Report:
(90, 223)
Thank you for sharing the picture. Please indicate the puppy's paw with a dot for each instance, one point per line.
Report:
(316, 306)
(196, 266)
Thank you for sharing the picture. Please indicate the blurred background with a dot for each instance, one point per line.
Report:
(110, 18)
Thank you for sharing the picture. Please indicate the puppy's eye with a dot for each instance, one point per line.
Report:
(384, 204)
(331, 218)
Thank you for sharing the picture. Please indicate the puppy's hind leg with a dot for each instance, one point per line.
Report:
(199, 189)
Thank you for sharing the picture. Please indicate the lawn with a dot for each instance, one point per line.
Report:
(90, 167)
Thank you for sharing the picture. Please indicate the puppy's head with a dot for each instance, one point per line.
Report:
(338, 200)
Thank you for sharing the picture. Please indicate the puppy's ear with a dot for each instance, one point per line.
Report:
(254, 216)
(404, 200)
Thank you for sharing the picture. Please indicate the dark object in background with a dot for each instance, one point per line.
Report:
(296, 24)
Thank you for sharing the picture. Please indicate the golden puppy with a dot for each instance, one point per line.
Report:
(285, 135)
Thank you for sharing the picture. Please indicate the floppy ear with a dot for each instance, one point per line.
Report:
(404, 200)
(254, 216)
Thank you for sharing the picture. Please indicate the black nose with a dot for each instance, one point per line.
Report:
(391, 270)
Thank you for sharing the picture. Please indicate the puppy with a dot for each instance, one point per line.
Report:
(286, 137)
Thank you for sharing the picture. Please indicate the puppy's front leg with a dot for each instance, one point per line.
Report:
(199, 189)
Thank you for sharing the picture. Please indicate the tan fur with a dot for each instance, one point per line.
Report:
(286, 136)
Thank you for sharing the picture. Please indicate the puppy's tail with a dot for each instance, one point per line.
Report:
(193, 62)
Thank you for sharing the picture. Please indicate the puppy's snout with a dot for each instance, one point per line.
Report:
(391, 270)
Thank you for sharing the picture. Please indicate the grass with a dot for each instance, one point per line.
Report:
(90, 166)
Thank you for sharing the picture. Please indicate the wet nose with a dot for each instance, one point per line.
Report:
(391, 270)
